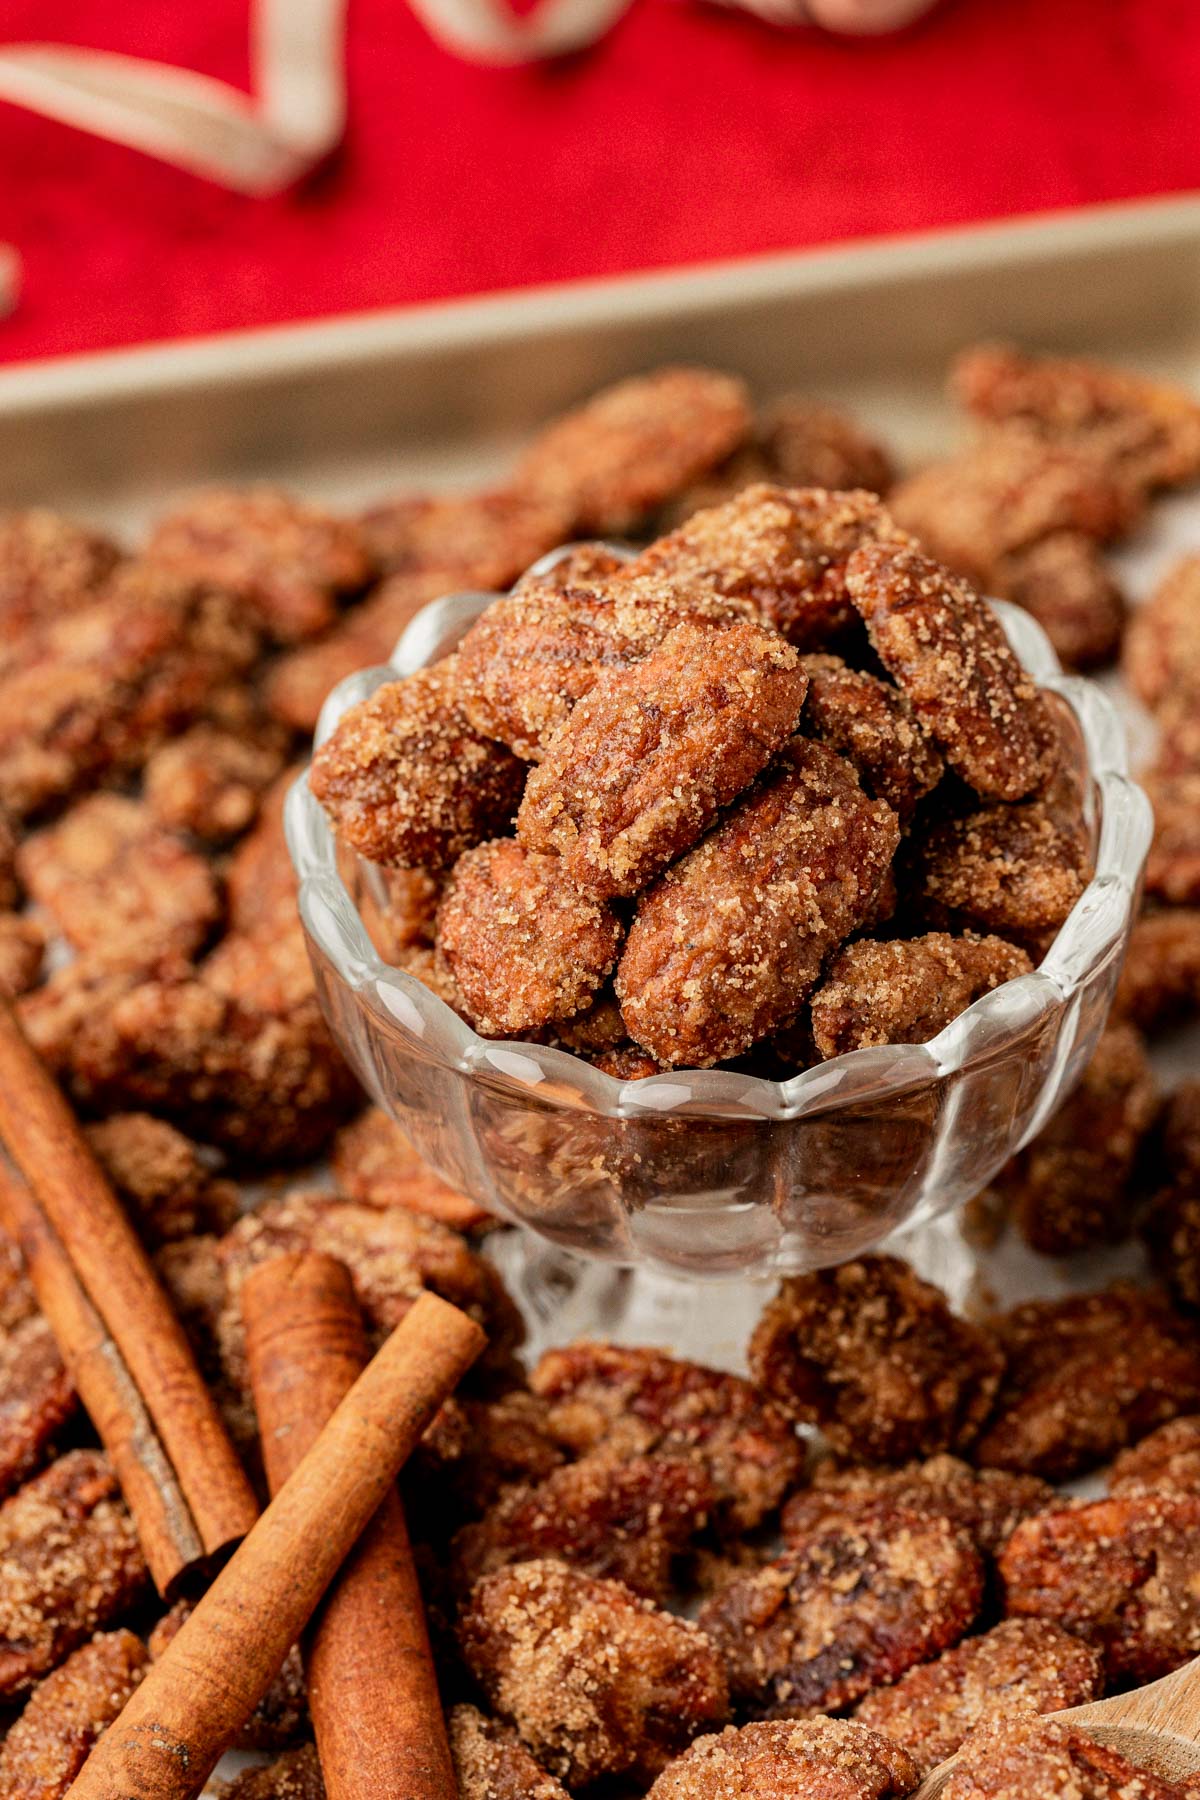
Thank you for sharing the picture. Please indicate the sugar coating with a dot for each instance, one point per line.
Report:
(481, 539)
(37, 1399)
(167, 1185)
(524, 944)
(210, 782)
(1012, 870)
(491, 1763)
(792, 1759)
(406, 780)
(652, 753)
(986, 1504)
(1160, 983)
(1168, 1461)
(874, 1356)
(49, 565)
(48, 1745)
(871, 723)
(727, 944)
(1015, 1758)
(1173, 863)
(296, 1775)
(1161, 656)
(907, 990)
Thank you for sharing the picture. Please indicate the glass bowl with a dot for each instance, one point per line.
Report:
(711, 1173)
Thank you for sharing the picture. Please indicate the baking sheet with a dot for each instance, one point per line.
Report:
(349, 409)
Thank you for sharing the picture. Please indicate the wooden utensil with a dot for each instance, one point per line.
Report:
(1157, 1726)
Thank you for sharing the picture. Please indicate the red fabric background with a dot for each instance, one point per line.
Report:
(690, 133)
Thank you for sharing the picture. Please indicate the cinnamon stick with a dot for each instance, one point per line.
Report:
(372, 1691)
(163, 1519)
(43, 1138)
(197, 1696)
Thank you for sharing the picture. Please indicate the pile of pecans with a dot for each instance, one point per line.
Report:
(809, 1584)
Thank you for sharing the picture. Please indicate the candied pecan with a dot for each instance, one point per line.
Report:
(635, 444)
(627, 1062)
(108, 872)
(281, 1716)
(1148, 430)
(268, 970)
(626, 1519)
(808, 445)
(260, 881)
(376, 1164)
(69, 1565)
(92, 693)
(1022, 1665)
(48, 1745)
(726, 945)
(1168, 1461)
(405, 779)
(986, 1504)
(1086, 1375)
(471, 1453)
(22, 951)
(266, 1088)
(1171, 1229)
(162, 1178)
(1119, 1572)
(596, 1681)
(907, 990)
(491, 1763)
(635, 1402)
(784, 550)
(845, 1609)
(790, 1759)
(1065, 582)
(287, 561)
(949, 655)
(1013, 870)
(874, 1356)
(210, 782)
(535, 653)
(481, 540)
(1173, 864)
(652, 753)
(190, 1270)
(1011, 1758)
(870, 722)
(296, 1775)
(1160, 983)
(36, 1398)
(1070, 1189)
(1161, 659)
(524, 944)
(49, 566)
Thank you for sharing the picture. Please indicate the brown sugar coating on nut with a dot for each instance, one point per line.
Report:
(472, 1452)
(844, 1610)
(108, 872)
(1148, 430)
(634, 445)
(49, 565)
(634, 1402)
(491, 1763)
(986, 1504)
(870, 722)
(628, 1520)
(296, 1775)
(596, 1681)
(210, 782)
(1087, 1375)
(1160, 983)
(376, 1164)
(1168, 1461)
(652, 753)
(949, 655)
(22, 952)
(1161, 658)
(790, 1759)
(69, 1565)
(480, 540)
(874, 1356)
(906, 991)
(259, 878)
(92, 693)
(37, 1398)
(55, 1015)
(1171, 1228)
(405, 779)
(1013, 870)
(524, 945)
(1066, 583)
(1173, 864)
(534, 654)
(288, 561)
(1017, 1758)
(160, 1175)
(48, 1745)
(725, 947)
(1071, 1188)
(1119, 1572)
(784, 550)
(1021, 1665)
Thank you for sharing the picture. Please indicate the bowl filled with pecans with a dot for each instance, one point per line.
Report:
(726, 905)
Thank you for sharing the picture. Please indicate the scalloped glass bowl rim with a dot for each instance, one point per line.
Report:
(399, 1000)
